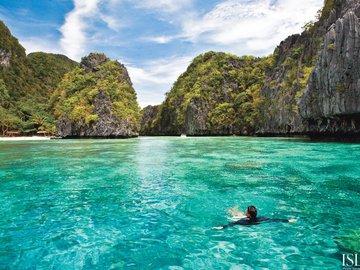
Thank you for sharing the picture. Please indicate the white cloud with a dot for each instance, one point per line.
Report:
(252, 27)
(111, 22)
(82, 20)
(75, 26)
(35, 44)
(167, 6)
(235, 26)
(156, 77)
(161, 39)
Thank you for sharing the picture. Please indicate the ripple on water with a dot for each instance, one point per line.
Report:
(150, 203)
(246, 165)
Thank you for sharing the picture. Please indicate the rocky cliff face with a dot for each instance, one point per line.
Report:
(294, 61)
(330, 104)
(213, 97)
(107, 124)
(5, 58)
(314, 87)
(15, 70)
(97, 100)
(148, 114)
(311, 87)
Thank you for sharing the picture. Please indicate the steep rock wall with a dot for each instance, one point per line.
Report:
(218, 94)
(331, 101)
(96, 100)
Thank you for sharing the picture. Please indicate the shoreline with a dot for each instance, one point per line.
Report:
(23, 138)
(346, 139)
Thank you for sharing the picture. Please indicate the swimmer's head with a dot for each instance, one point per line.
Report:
(251, 212)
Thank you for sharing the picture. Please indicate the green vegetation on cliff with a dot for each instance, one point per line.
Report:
(222, 94)
(49, 69)
(14, 66)
(75, 98)
(26, 83)
(326, 10)
(35, 92)
(218, 94)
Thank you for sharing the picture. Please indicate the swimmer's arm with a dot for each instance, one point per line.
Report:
(279, 220)
(225, 226)
(260, 220)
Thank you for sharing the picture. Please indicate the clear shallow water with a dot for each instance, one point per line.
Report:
(150, 203)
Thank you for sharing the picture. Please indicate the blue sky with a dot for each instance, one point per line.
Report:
(155, 39)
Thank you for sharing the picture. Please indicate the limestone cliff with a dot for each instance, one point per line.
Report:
(314, 87)
(309, 85)
(217, 95)
(330, 104)
(14, 66)
(148, 114)
(285, 82)
(96, 100)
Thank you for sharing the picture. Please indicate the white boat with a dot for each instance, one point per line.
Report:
(183, 135)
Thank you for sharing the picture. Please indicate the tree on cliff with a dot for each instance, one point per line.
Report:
(96, 100)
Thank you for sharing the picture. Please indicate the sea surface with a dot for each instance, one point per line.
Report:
(151, 203)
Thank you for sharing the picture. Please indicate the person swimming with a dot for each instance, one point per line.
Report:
(252, 219)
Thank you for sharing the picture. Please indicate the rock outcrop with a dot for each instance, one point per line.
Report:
(330, 104)
(5, 58)
(314, 87)
(107, 124)
(97, 100)
(283, 86)
(311, 86)
(92, 62)
(213, 97)
(148, 115)
(286, 80)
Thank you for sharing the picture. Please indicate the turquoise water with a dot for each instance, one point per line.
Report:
(151, 203)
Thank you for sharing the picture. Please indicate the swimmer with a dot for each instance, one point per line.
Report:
(252, 219)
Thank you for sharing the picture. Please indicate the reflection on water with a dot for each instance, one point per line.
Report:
(150, 203)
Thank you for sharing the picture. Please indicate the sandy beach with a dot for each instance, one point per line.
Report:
(33, 138)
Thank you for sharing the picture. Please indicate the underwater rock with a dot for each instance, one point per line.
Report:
(349, 241)
(247, 165)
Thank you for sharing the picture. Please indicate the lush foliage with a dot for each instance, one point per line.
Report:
(225, 86)
(26, 84)
(15, 70)
(75, 97)
(49, 69)
(218, 94)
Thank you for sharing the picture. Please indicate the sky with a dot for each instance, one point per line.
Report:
(155, 39)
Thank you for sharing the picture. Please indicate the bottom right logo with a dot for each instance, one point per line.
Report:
(350, 261)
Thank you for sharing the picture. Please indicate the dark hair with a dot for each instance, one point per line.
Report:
(252, 211)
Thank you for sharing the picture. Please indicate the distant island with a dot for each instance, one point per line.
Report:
(310, 86)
